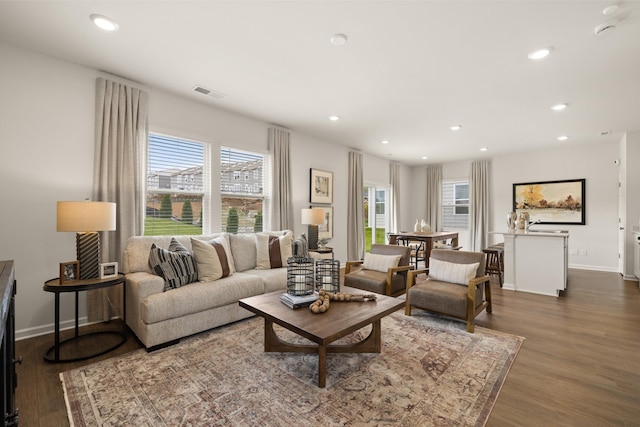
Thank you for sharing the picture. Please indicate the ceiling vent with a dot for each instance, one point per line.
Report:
(210, 92)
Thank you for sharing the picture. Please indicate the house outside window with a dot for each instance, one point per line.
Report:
(176, 188)
(241, 204)
(376, 217)
(455, 204)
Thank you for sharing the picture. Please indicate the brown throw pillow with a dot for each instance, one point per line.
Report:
(213, 258)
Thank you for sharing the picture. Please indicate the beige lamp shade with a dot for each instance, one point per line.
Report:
(313, 216)
(86, 216)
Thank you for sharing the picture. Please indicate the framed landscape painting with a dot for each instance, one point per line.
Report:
(551, 202)
(321, 187)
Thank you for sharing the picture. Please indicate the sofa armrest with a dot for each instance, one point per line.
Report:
(141, 284)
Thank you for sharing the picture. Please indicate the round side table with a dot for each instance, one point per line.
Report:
(54, 285)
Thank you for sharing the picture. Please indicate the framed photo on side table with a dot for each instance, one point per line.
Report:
(321, 187)
(108, 270)
(69, 271)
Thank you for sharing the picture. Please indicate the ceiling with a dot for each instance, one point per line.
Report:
(409, 69)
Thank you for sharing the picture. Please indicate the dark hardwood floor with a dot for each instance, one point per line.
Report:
(579, 365)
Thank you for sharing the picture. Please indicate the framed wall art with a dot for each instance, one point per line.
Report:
(325, 231)
(551, 202)
(321, 187)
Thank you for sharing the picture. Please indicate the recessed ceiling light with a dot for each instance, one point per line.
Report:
(385, 141)
(484, 149)
(455, 127)
(540, 53)
(103, 22)
(338, 39)
(424, 157)
(334, 118)
(610, 10)
(563, 137)
(604, 27)
(559, 107)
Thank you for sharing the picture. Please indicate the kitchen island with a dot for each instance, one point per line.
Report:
(536, 261)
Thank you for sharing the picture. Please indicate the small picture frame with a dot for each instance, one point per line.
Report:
(108, 270)
(69, 271)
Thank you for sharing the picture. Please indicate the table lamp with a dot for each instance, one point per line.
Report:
(313, 217)
(87, 218)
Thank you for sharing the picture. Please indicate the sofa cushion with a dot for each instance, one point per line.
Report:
(272, 250)
(213, 258)
(176, 266)
(452, 272)
(243, 248)
(198, 297)
(274, 279)
(379, 262)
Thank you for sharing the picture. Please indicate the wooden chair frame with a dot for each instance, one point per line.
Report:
(472, 311)
(390, 272)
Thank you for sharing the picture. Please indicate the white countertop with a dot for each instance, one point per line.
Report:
(534, 232)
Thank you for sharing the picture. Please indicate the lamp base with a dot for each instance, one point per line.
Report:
(313, 236)
(88, 253)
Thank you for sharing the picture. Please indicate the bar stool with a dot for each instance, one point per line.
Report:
(494, 263)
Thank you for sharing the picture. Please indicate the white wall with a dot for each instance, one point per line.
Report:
(599, 237)
(47, 137)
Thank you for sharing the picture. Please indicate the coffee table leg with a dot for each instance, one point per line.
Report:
(322, 366)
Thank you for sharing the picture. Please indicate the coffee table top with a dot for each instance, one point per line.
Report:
(341, 319)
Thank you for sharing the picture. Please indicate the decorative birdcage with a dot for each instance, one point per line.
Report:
(300, 276)
(328, 274)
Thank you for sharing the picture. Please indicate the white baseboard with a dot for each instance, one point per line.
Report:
(594, 268)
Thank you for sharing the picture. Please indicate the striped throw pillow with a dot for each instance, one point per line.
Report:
(213, 258)
(176, 266)
(451, 272)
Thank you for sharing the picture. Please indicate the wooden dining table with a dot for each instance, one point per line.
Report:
(427, 237)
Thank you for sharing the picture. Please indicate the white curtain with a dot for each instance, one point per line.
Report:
(121, 131)
(355, 208)
(434, 197)
(281, 206)
(479, 205)
(394, 212)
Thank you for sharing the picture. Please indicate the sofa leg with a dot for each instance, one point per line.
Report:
(163, 345)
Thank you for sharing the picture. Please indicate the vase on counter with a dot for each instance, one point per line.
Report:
(523, 220)
(512, 219)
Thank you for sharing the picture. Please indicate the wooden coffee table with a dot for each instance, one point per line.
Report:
(340, 320)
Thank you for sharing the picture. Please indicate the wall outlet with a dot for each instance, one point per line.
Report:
(573, 252)
(583, 252)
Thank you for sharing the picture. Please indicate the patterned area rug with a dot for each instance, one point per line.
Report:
(431, 372)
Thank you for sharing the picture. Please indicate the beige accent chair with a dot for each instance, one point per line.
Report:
(391, 282)
(451, 299)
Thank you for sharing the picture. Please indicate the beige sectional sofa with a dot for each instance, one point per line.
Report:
(159, 315)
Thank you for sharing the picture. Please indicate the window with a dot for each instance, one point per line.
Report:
(241, 205)
(455, 204)
(176, 187)
(376, 218)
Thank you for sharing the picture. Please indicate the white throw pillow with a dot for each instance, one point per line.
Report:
(213, 258)
(273, 250)
(378, 262)
(452, 272)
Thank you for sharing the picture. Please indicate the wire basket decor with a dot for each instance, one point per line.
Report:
(300, 276)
